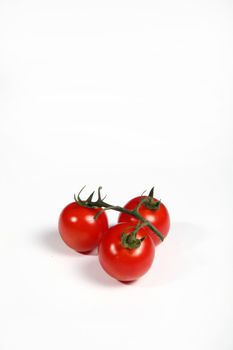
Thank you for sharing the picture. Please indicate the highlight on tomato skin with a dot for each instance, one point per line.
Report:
(122, 263)
(157, 217)
(79, 228)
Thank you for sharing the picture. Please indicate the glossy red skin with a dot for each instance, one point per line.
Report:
(159, 217)
(122, 263)
(78, 228)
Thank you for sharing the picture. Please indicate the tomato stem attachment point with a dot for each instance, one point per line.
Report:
(131, 241)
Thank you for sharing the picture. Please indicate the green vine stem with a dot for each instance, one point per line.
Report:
(129, 241)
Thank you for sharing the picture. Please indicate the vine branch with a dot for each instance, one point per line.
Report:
(129, 241)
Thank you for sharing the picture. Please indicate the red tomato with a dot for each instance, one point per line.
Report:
(122, 263)
(157, 217)
(78, 228)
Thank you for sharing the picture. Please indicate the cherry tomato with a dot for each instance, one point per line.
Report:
(157, 217)
(125, 264)
(78, 227)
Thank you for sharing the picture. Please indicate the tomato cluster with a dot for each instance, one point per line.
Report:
(125, 250)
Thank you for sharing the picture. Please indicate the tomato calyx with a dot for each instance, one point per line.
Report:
(129, 241)
(88, 202)
(150, 202)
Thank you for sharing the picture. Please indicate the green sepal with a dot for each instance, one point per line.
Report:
(90, 197)
(135, 244)
(156, 205)
(124, 240)
(151, 193)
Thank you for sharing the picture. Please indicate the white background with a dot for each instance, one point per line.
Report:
(124, 94)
